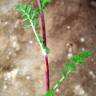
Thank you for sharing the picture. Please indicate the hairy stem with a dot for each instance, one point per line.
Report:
(45, 43)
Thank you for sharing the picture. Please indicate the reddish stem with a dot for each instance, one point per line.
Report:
(47, 82)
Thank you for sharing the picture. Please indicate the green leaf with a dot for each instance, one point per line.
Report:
(29, 9)
(70, 66)
(51, 92)
(77, 60)
(85, 54)
(30, 16)
(44, 3)
(28, 13)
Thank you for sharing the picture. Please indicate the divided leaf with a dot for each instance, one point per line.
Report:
(29, 13)
(77, 60)
(85, 54)
(30, 16)
(70, 66)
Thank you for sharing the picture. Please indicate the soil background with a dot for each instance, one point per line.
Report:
(71, 28)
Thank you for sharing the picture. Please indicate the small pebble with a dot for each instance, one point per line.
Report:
(30, 42)
(10, 53)
(28, 77)
(14, 45)
(69, 45)
(14, 38)
(6, 23)
(5, 87)
(69, 55)
(92, 74)
(82, 39)
(57, 90)
(68, 27)
(17, 23)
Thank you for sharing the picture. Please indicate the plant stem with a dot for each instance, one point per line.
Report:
(56, 86)
(42, 18)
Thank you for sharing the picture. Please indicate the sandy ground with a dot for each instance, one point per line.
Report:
(71, 28)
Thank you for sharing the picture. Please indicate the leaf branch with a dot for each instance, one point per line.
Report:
(30, 15)
(71, 67)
